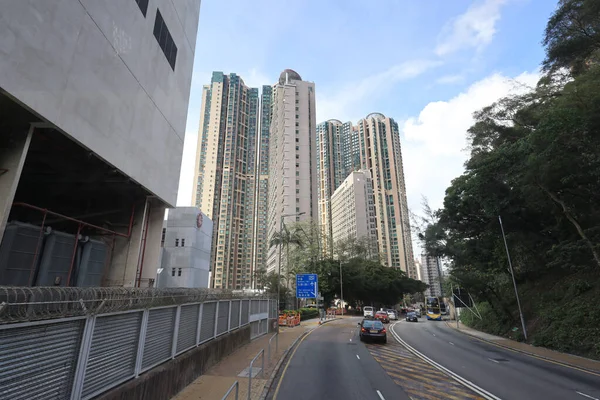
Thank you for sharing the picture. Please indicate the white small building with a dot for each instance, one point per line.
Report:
(187, 238)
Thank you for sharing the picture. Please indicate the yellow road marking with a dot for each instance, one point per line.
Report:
(288, 364)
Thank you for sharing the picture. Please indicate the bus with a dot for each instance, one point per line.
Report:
(433, 309)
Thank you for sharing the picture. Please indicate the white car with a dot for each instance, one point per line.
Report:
(392, 314)
(368, 311)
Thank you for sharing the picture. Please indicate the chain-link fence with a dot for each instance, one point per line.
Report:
(94, 349)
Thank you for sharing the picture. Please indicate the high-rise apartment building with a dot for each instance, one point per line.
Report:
(226, 175)
(380, 153)
(431, 272)
(292, 155)
(332, 169)
(352, 209)
(260, 236)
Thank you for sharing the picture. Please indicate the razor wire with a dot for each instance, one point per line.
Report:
(21, 304)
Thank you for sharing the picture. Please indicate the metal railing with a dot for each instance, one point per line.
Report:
(276, 336)
(262, 371)
(235, 386)
(107, 349)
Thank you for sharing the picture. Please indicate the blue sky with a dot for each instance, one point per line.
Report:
(428, 64)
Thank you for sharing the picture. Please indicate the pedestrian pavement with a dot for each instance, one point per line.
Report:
(540, 352)
(217, 380)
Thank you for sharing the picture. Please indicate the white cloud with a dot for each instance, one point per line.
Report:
(348, 103)
(473, 29)
(450, 79)
(435, 141)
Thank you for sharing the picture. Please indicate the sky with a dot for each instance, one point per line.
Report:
(428, 64)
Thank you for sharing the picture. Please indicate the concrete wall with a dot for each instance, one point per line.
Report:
(95, 70)
(186, 247)
(166, 380)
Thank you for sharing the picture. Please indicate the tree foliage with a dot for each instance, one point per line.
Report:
(535, 161)
(364, 282)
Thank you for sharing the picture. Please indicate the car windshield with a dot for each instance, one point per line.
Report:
(411, 314)
(372, 324)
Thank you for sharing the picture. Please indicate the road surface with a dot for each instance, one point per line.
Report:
(332, 364)
(501, 372)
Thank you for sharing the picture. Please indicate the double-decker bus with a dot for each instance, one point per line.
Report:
(433, 309)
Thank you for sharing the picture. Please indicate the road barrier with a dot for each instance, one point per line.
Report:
(276, 337)
(235, 386)
(262, 371)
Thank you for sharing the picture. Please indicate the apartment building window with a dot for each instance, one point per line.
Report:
(143, 5)
(182, 242)
(179, 272)
(172, 271)
(176, 242)
(165, 40)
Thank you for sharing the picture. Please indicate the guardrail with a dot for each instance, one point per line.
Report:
(82, 356)
(262, 371)
(276, 336)
(235, 386)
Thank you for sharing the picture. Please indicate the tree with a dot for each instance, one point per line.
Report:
(287, 237)
(572, 36)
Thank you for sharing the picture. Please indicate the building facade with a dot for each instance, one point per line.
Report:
(93, 106)
(292, 156)
(380, 153)
(186, 244)
(260, 236)
(353, 209)
(431, 271)
(333, 167)
(225, 176)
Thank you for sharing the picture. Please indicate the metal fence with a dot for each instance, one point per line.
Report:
(82, 356)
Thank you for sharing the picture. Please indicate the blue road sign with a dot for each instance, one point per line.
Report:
(307, 286)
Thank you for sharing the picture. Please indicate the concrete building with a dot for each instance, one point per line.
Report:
(353, 211)
(332, 168)
(292, 155)
(93, 105)
(380, 153)
(262, 199)
(226, 176)
(431, 274)
(186, 244)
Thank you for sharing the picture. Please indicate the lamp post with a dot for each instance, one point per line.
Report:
(512, 273)
(341, 289)
(281, 254)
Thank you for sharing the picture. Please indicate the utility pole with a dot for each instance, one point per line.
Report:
(512, 273)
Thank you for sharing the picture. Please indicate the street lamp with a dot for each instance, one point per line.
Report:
(341, 289)
(281, 253)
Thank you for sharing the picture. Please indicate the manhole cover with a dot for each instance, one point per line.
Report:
(246, 372)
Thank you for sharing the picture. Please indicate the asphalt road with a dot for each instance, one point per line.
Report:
(503, 373)
(332, 364)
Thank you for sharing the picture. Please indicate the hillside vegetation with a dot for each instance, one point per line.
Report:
(535, 161)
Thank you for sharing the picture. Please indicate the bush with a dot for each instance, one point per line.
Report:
(307, 313)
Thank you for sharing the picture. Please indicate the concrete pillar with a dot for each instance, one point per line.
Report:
(130, 256)
(12, 158)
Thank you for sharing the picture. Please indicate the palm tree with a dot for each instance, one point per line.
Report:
(286, 238)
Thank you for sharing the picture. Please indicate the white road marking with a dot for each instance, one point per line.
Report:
(586, 395)
(433, 334)
(380, 395)
(350, 339)
(451, 343)
(357, 357)
(484, 393)
(492, 360)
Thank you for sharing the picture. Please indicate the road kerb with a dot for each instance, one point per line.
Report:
(527, 353)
